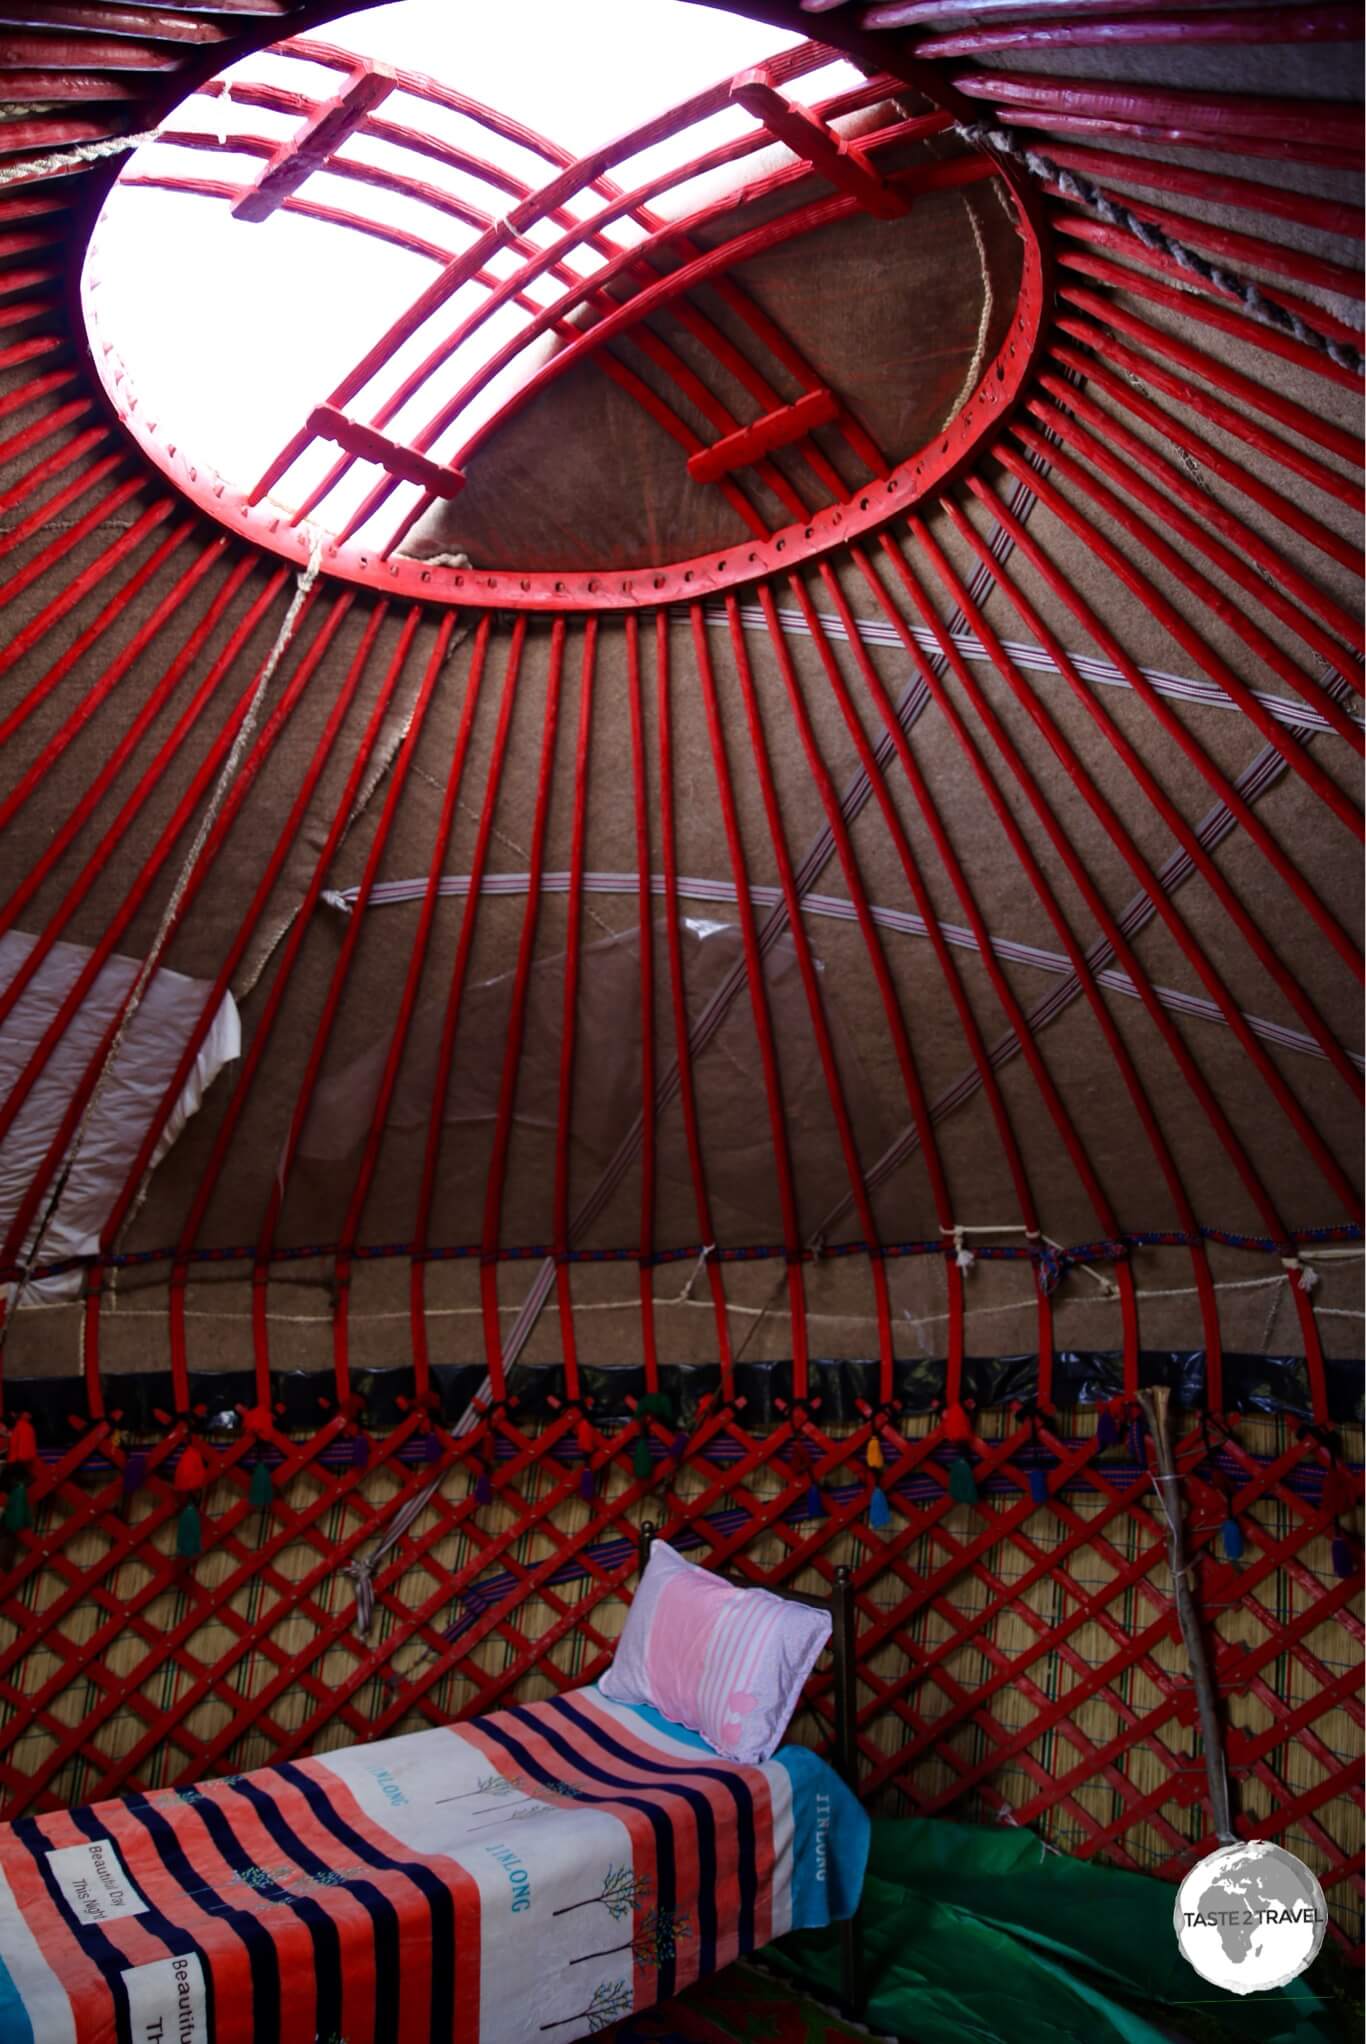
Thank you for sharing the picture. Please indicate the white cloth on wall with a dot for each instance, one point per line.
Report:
(171, 1006)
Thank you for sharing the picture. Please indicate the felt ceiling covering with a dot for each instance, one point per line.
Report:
(987, 882)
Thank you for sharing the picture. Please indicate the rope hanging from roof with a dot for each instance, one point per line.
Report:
(1115, 213)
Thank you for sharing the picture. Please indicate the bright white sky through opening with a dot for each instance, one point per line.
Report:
(227, 333)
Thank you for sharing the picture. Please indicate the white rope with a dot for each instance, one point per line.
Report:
(70, 159)
(134, 999)
(685, 1298)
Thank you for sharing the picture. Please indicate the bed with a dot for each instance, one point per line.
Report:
(531, 1875)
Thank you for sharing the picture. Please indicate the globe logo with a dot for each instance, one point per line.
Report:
(1250, 1917)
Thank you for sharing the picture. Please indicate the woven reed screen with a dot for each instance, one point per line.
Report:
(1020, 1659)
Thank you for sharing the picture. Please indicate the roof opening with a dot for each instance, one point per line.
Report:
(368, 292)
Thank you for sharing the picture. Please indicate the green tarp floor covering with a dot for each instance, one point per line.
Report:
(975, 1934)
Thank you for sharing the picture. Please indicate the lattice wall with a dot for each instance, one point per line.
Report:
(1020, 1657)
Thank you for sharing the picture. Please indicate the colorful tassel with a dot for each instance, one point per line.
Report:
(428, 1446)
(1038, 1486)
(23, 1442)
(134, 1470)
(188, 1537)
(962, 1482)
(1344, 1561)
(261, 1489)
(957, 1425)
(879, 1511)
(876, 1458)
(1107, 1426)
(18, 1510)
(190, 1473)
(1231, 1535)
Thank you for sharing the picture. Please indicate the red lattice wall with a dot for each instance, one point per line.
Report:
(1020, 1658)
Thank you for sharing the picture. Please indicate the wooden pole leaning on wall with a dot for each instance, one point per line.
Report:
(1167, 1484)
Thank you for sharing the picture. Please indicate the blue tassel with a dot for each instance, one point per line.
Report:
(879, 1511)
(1038, 1486)
(189, 1539)
(1344, 1561)
(1107, 1433)
(360, 1451)
(962, 1482)
(483, 1489)
(428, 1447)
(134, 1470)
(586, 1484)
(815, 1504)
(680, 1445)
(1231, 1534)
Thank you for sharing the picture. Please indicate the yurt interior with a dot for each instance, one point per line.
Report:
(681, 1071)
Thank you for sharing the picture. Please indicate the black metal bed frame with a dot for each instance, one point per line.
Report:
(840, 1605)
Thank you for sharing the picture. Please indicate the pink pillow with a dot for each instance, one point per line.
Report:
(725, 1662)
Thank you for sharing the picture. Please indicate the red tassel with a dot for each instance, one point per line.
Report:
(190, 1470)
(957, 1425)
(23, 1442)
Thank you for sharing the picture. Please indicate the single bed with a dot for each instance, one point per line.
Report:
(531, 1875)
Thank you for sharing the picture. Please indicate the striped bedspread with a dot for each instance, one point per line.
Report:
(532, 1875)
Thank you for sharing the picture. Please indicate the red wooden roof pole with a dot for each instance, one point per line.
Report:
(111, 675)
(1208, 298)
(431, 1160)
(759, 1004)
(417, 959)
(327, 1014)
(1082, 430)
(184, 812)
(255, 1048)
(921, 1114)
(806, 966)
(1157, 605)
(673, 922)
(1242, 479)
(1062, 1121)
(171, 1094)
(572, 964)
(1247, 923)
(1169, 357)
(516, 1026)
(1248, 25)
(645, 945)
(94, 865)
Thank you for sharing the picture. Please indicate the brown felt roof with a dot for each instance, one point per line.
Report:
(1174, 1108)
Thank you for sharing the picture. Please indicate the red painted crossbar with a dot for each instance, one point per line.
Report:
(805, 134)
(404, 462)
(775, 429)
(318, 139)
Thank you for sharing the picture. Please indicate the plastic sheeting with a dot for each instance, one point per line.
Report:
(731, 1100)
(123, 1108)
(988, 1934)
